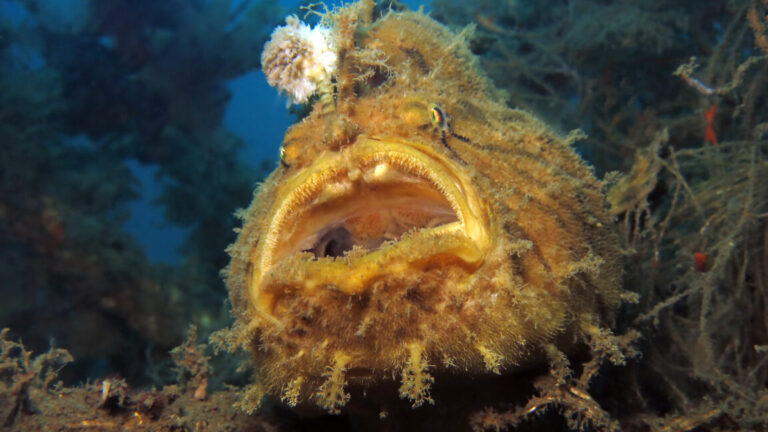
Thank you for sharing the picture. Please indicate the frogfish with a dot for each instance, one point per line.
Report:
(415, 225)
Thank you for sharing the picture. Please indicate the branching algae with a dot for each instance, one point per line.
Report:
(416, 224)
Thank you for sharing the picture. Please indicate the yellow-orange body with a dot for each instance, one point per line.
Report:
(496, 237)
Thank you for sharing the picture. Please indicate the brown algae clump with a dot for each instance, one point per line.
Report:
(416, 225)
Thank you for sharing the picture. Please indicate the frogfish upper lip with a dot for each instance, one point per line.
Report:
(375, 208)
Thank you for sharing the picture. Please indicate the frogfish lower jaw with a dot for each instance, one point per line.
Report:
(371, 210)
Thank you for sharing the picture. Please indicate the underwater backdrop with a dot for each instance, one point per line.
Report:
(133, 132)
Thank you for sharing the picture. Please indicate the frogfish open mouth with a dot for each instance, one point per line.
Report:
(416, 223)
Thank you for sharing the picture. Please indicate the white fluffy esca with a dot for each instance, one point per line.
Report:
(298, 59)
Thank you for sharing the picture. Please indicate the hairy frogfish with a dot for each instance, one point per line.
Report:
(416, 225)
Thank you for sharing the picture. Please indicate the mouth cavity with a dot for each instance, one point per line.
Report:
(372, 211)
(361, 212)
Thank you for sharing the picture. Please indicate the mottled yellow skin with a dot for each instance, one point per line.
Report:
(531, 259)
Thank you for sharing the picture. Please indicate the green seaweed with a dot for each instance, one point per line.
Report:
(23, 378)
